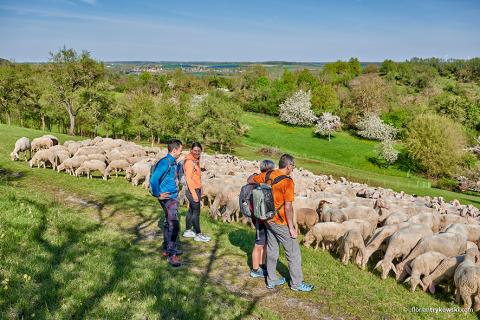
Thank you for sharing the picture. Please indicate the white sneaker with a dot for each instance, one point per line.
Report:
(189, 234)
(201, 238)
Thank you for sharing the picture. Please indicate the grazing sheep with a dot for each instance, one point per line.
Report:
(139, 171)
(41, 158)
(117, 165)
(89, 166)
(449, 244)
(429, 218)
(41, 143)
(423, 265)
(366, 228)
(21, 145)
(471, 231)
(85, 151)
(97, 156)
(400, 244)
(53, 138)
(444, 272)
(448, 219)
(71, 164)
(467, 280)
(324, 233)
(227, 199)
(396, 218)
(351, 244)
(305, 218)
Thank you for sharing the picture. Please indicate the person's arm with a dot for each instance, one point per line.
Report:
(161, 169)
(289, 216)
(251, 178)
(189, 166)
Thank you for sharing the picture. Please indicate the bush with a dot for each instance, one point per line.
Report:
(437, 143)
(297, 110)
(369, 93)
(372, 127)
(387, 152)
(447, 184)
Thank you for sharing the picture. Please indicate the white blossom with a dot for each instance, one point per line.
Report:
(297, 110)
(327, 124)
(372, 127)
(387, 151)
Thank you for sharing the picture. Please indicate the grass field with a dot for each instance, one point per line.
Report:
(345, 156)
(78, 248)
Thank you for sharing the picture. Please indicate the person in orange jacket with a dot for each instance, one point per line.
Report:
(193, 178)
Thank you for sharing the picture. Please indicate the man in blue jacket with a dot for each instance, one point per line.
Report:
(164, 186)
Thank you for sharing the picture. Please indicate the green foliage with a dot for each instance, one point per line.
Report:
(340, 72)
(370, 68)
(437, 143)
(324, 99)
(459, 108)
(447, 184)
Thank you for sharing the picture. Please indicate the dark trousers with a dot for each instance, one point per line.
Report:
(193, 215)
(171, 226)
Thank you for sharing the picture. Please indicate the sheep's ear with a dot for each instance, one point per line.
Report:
(378, 264)
(393, 268)
(406, 280)
(431, 288)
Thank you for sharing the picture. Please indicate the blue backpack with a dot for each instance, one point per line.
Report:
(154, 167)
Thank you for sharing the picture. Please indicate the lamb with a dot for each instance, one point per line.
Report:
(324, 233)
(71, 164)
(467, 280)
(423, 265)
(450, 244)
(21, 145)
(91, 165)
(117, 165)
(351, 243)
(305, 217)
(41, 158)
(400, 244)
(41, 143)
(376, 240)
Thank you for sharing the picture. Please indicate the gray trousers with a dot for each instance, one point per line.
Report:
(279, 234)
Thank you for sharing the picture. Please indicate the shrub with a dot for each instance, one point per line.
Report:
(327, 124)
(437, 143)
(387, 152)
(372, 127)
(297, 110)
(369, 93)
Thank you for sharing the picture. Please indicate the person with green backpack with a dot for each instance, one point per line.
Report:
(272, 202)
(164, 186)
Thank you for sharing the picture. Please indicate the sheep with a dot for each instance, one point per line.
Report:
(53, 138)
(471, 231)
(448, 219)
(429, 218)
(41, 158)
(305, 217)
(91, 165)
(351, 243)
(450, 244)
(227, 198)
(59, 157)
(400, 244)
(139, 171)
(324, 233)
(366, 228)
(396, 218)
(41, 143)
(376, 240)
(467, 280)
(423, 265)
(117, 165)
(97, 156)
(21, 145)
(86, 150)
(71, 164)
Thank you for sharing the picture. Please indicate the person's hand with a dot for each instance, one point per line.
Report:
(293, 232)
(195, 198)
(164, 196)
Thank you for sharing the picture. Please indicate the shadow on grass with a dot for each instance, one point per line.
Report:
(7, 175)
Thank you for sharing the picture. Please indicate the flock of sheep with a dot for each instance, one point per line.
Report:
(424, 241)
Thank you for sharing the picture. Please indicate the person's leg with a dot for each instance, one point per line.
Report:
(256, 256)
(195, 207)
(164, 226)
(171, 206)
(292, 252)
(188, 218)
(272, 256)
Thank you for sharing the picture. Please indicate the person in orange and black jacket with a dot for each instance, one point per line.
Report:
(193, 178)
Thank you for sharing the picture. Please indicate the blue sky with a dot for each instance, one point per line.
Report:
(246, 30)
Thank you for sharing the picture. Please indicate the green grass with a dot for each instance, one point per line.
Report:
(345, 155)
(78, 248)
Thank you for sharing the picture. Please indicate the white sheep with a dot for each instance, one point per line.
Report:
(21, 145)
(41, 158)
(91, 165)
(117, 165)
(423, 265)
(41, 143)
(467, 280)
(71, 164)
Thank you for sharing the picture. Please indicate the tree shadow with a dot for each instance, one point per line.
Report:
(7, 175)
(245, 240)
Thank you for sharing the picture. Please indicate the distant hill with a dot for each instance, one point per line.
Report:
(4, 61)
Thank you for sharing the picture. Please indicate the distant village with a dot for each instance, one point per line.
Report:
(139, 68)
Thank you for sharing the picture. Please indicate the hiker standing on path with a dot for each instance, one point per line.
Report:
(259, 251)
(280, 229)
(164, 186)
(193, 179)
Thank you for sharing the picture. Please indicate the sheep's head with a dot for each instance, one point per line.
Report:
(14, 156)
(427, 283)
(129, 173)
(30, 163)
(385, 267)
(309, 239)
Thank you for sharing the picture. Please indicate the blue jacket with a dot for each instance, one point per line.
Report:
(166, 168)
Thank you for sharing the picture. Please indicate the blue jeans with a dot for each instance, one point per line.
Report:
(171, 225)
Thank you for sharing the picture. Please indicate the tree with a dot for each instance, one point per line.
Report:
(437, 143)
(72, 74)
(297, 110)
(369, 94)
(372, 127)
(327, 124)
(324, 98)
(387, 151)
(14, 91)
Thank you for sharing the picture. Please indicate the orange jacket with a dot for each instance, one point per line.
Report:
(193, 174)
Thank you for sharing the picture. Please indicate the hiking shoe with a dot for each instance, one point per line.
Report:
(165, 253)
(276, 283)
(189, 234)
(174, 261)
(259, 273)
(303, 287)
(201, 238)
